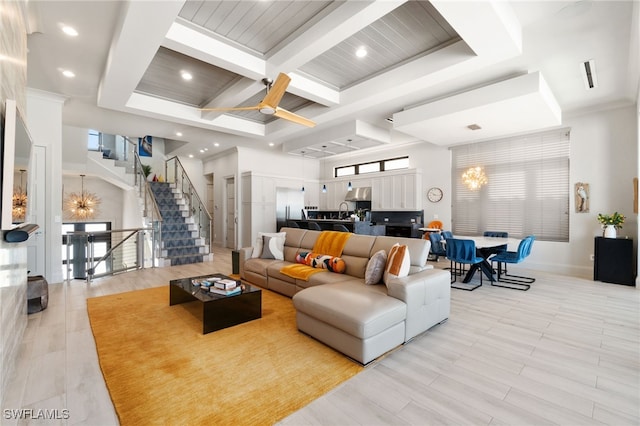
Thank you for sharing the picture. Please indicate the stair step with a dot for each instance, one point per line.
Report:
(180, 242)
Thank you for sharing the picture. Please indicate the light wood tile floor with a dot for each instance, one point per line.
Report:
(565, 352)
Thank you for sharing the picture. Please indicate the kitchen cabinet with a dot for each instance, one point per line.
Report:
(614, 261)
(335, 195)
(399, 191)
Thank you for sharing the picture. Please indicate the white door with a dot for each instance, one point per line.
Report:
(36, 210)
(231, 213)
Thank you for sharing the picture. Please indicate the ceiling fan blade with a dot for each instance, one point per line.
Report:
(288, 115)
(250, 108)
(277, 91)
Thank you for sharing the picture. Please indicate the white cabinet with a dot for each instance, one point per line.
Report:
(397, 191)
(335, 194)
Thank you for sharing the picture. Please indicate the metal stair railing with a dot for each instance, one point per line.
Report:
(101, 253)
(151, 210)
(175, 173)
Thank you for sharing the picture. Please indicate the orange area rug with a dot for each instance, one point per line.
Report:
(160, 368)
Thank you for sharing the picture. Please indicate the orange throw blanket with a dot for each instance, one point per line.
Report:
(299, 271)
(331, 243)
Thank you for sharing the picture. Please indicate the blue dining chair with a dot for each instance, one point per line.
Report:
(446, 234)
(515, 282)
(437, 248)
(463, 252)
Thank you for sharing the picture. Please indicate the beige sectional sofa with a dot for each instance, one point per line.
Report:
(362, 321)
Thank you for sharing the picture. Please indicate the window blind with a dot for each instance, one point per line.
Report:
(527, 191)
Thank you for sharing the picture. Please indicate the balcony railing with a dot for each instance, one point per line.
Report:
(96, 254)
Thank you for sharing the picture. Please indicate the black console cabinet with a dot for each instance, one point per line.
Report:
(613, 261)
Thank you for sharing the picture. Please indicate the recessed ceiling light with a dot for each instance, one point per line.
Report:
(474, 127)
(190, 155)
(186, 75)
(202, 151)
(70, 31)
(271, 144)
(216, 144)
(361, 52)
(178, 133)
(68, 73)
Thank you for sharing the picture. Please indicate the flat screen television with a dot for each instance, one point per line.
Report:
(15, 155)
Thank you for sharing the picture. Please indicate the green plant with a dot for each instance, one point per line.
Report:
(146, 169)
(616, 219)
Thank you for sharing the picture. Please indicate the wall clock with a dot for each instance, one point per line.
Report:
(434, 194)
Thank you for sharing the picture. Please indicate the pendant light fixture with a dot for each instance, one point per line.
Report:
(349, 186)
(474, 178)
(324, 152)
(83, 205)
(19, 210)
(302, 173)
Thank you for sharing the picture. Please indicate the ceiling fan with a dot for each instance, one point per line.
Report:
(269, 105)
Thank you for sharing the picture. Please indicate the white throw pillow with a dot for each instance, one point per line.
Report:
(257, 246)
(398, 263)
(375, 268)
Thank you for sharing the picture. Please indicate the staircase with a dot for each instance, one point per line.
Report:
(180, 242)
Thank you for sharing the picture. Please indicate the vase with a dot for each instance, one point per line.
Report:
(610, 231)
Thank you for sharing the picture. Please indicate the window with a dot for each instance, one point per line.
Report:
(369, 167)
(345, 171)
(527, 191)
(93, 143)
(373, 167)
(396, 163)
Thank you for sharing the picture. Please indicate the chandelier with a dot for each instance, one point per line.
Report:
(19, 202)
(474, 178)
(83, 205)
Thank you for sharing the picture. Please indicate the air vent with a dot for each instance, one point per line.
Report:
(588, 69)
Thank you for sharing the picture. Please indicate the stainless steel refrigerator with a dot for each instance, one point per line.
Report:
(289, 205)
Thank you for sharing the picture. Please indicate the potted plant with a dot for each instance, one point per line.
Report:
(146, 170)
(611, 223)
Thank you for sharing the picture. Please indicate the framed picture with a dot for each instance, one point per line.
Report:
(145, 146)
(582, 197)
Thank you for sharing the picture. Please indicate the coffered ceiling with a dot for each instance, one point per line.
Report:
(431, 69)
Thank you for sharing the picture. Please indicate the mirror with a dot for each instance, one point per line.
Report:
(15, 152)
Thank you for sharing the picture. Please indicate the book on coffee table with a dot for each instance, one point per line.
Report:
(223, 292)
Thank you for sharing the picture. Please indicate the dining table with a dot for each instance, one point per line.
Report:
(485, 247)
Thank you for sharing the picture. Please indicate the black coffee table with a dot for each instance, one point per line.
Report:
(218, 311)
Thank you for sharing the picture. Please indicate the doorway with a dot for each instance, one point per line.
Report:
(230, 206)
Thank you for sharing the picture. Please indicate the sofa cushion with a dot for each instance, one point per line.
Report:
(375, 268)
(257, 246)
(359, 310)
(318, 279)
(398, 263)
(259, 266)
